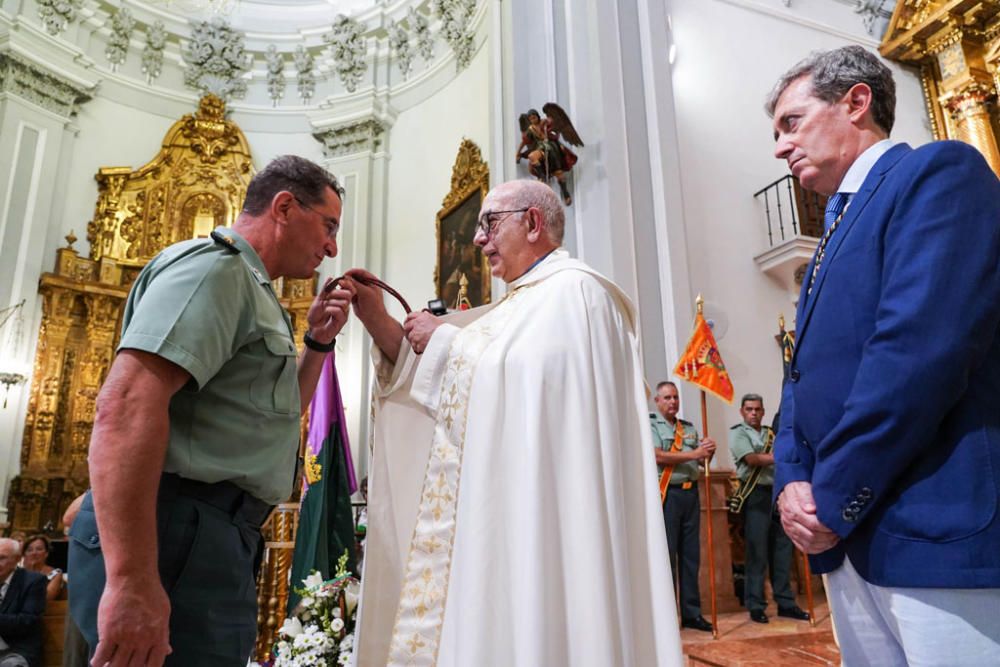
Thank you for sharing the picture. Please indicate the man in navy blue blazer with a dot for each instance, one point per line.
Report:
(888, 456)
(22, 603)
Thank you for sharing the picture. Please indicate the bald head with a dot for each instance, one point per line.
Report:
(531, 193)
(521, 222)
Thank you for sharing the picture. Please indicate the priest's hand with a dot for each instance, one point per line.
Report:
(133, 624)
(799, 520)
(328, 313)
(369, 304)
(419, 327)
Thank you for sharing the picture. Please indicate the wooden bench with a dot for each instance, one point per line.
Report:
(53, 627)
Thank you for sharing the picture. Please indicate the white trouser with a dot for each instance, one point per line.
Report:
(916, 627)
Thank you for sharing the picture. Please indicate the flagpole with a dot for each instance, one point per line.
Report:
(708, 509)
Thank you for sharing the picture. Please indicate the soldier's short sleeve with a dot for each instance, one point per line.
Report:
(193, 312)
(657, 442)
(739, 444)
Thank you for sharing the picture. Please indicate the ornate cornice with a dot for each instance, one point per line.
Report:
(32, 82)
(353, 137)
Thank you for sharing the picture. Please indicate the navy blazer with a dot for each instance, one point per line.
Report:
(21, 615)
(892, 406)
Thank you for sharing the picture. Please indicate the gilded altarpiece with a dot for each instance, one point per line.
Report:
(196, 182)
(955, 44)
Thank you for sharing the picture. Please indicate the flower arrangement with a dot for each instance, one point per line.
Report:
(320, 632)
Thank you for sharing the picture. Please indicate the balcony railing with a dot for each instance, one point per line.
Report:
(791, 210)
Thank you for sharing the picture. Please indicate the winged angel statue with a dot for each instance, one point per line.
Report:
(540, 144)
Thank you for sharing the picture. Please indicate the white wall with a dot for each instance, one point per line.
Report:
(729, 54)
(422, 147)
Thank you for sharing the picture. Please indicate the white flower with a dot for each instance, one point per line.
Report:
(291, 628)
(337, 625)
(351, 593)
(308, 602)
(314, 580)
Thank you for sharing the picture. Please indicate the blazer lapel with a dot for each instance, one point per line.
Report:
(11, 591)
(854, 211)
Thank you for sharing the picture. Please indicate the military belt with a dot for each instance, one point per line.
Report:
(225, 496)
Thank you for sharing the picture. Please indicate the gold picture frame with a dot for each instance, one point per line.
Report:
(456, 227)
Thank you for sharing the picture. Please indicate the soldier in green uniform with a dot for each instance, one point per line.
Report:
(767, 546)
(681, 507)
(197, 430)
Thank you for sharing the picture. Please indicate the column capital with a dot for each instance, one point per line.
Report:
(31, 81)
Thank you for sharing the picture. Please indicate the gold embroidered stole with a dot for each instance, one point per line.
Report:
(669, 470)
(420, 615)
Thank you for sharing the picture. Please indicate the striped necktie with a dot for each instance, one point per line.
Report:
(834, 207)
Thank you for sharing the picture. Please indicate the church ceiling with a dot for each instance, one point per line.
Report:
(263, 53)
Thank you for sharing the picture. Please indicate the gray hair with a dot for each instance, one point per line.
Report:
(12, 544)
(751, 397)
(833, 73)
(528, 193)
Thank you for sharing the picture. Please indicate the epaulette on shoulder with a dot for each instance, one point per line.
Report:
(735, 426)
(225, 241)
(652, 415)
(685, 422)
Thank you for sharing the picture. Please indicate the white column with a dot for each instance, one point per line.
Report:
(355, 154)
(37, 134)
(606, 64)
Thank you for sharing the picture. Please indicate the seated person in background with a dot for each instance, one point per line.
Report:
(36, 553)
(22, 602)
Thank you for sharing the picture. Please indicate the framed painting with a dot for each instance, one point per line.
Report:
(462, 274)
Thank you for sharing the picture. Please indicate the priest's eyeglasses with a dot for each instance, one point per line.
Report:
(332, 226)
(489, 221)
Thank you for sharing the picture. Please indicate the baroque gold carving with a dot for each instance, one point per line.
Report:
(196, 182)
(954, 43)
(469, 173)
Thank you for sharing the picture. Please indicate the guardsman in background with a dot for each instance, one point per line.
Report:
(679, 450)
(767, 546)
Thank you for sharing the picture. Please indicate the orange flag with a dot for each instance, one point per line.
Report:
(701, 363)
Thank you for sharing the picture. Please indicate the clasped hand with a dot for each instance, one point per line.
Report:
(799, 520)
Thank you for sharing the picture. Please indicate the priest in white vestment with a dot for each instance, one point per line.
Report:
(514, 516)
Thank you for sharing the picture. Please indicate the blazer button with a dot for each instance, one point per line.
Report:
(94, 539)
(794, 375)
(865, 494)
(849, 516)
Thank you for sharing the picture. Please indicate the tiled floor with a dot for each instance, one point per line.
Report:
(780, 643)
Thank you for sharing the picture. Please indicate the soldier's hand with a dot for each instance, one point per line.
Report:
(706, 448)
(328, 313)
(419, 327)
(133, 623)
